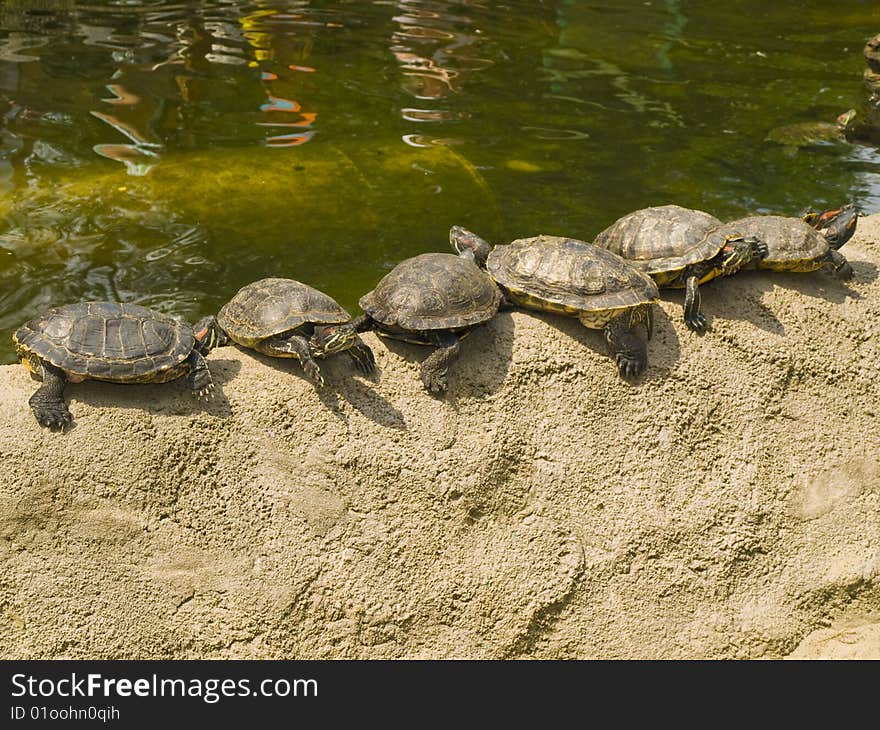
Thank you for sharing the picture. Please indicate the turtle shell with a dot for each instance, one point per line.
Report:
(433, 291)
(789, 241)
(107, 341)
(664, 238)
(564, 274)
(270, 307)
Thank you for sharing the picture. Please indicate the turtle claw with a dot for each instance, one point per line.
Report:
(313, 373)
(55, 418)
(696, 323)
(627, 366)
(207, 393)
(761, 250)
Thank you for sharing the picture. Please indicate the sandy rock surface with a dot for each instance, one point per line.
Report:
(727, 504)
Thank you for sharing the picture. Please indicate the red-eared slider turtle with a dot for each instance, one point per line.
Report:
(432, 299)
(286, 318)
(812, 134)
(793, 245)
(680, 248)
(118, 343)
(578, 279)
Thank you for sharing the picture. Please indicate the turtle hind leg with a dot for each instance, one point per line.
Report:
(436, 366)
(363, 356)
(200, 381)
(630, 351)
(693, 316)
(47, 403)
(297, 346)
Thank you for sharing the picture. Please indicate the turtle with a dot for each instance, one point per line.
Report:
(837, 225)
(812, 134)
(680, 248)
(793, 245)
(286, 318)
(117, 343)
(432, 299)
(575, 278)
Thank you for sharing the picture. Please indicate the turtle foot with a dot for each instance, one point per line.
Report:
(205, 393)
(696, 323)
(54, 416)
(435, 381)
(844, 272)
(313, 373)
(629, 366)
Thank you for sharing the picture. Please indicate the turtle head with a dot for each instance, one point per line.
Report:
(32, 363)
(332, 338)
(208, 335)
(469, 245)
(837, 225)
(846, 119)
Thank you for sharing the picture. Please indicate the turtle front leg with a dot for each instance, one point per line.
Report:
(838, 262)
(294, 346)
(200, 381)
(363, 356)
(630, 351)
(738, 251)
(436, 366)
(48, 403)
(693, 317)
(758, 250)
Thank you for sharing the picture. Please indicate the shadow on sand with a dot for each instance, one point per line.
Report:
(341, 379)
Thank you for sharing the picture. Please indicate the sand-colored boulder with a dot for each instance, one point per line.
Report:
(727, 504)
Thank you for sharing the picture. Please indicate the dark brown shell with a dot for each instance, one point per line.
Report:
(787, 239)
(570, 273)
(106, 340)
(270, 307)
(433, 291)
(663, 238)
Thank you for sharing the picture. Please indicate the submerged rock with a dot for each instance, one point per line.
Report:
(254, 196)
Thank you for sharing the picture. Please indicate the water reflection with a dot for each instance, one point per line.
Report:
(185, 75)
(437, 45)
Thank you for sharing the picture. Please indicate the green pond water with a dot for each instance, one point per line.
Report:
(166, 153)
